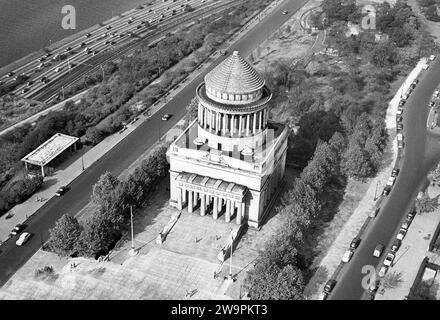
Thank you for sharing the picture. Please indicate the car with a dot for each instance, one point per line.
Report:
(88, 35)
(166, 117)
(399, 111)
(86, 49)
(399, 126)
(329, 286)
(395, 172)
(389, 259)
(41, 59)
(401, 234)
(374, 213)
(17, 229)
(355, 243)
(386, 190)
(285, 12)
(378, 250)
(399, 119)
(405, 225)
(95, 52)
(47, 55)
(58, 69)
(55, 57)
(83, 44)
(396, 245)
(432, 104)
(129, 21)
(347, 255)
(412, 86)
(139, 26)
(10, 74)
(24, 237)
(61, 191)
(383, 270)
(431, 57)
(25, 90)
(223, 52)
(401, 103)
(29, 83)
(107, 42)
(43, 79)
(68, 49)
(410, 216)
(391, 181)
(108, 27)
(374, 285)
(425, 67)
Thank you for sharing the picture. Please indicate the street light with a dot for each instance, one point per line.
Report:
(133, 251)
(230, 276)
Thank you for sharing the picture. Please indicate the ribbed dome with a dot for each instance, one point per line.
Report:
(234, 76)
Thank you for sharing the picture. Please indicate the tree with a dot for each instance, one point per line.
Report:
(426, 204)
(64, 235)
(392, 280)
(103, 190)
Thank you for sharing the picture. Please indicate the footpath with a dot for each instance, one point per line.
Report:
(85, 158)
(358, 220)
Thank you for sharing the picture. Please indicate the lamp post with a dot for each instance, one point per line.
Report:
(82, 163)
(230, 276)
(133, 251)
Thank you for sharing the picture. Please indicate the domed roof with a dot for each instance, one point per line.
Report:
(234, 75)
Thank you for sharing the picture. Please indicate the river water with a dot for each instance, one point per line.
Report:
(30, 25)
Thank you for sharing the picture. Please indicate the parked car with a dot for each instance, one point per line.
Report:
(405, 226)
(355, 243)
(10, 74)
(389, 259)
(378, 250)
(431, 57)
(425, 67)
(285, 12)
(383, 270)
(410, 216)
(374, 213)
(68, 49)
(24, 90)
(17, 229)
(401, 234)
(391, 181)
(24, 237)
(166, 117)
(347, 255)
(386, 190)
(329, 286)
(396, 245)
(223, 52)
(374, 286)
(401, 103)
(399, 126)
(395, 172)
(88, 35)
(61, 191)
(399, 119)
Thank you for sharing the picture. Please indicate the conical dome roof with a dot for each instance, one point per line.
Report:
(234, 75)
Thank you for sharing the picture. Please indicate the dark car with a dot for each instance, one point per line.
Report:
(138, 26)
(17, 229)
(401, 103)
(399, 118)
(329, 286)
(83, 44)
(396, 245)
(386, 190)
(395, 172)
(410, 215)
(109, 27)
(355, 243)
(10, 74)
(29, 83)
(61, 191)
(43, 79)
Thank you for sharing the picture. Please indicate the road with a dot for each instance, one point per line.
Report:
(126, 152)
(421, 153)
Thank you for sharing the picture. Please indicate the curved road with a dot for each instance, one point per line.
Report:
(126, 152)
(421, 153)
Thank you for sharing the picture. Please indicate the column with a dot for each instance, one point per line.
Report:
(240, 211)
(254, 124)
(260, 124)
(199, 115)
(225, 122)
(42, 171)
(212, 120)
(232, 125)
(248, 117)
(196, 196)
(215, 209)
(205, 121)
(179, 199)
(239, 126)
(190, 201)
(232, 209)
(202, 204)
(183, 195)
(228, 211)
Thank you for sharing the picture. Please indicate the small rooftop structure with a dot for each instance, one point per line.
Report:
(49, 150)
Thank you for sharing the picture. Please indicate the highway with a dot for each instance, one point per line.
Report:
(142, 23)
(421, 153)
(127, 151)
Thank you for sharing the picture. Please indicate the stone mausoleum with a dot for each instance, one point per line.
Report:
(230, 161)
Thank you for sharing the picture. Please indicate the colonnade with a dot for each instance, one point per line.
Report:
(232, 124)
(210, 203)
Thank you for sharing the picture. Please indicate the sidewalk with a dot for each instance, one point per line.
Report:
(332, 260)
(64, 176)
(412, 251)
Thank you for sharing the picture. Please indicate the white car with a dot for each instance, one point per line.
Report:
(58, 69)
(425, 67)
(347, 256)
(431, 57)
(383, 271)
(401, 234)
(391, 181)
(389, 259)
(24, 237)
(399, 111)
